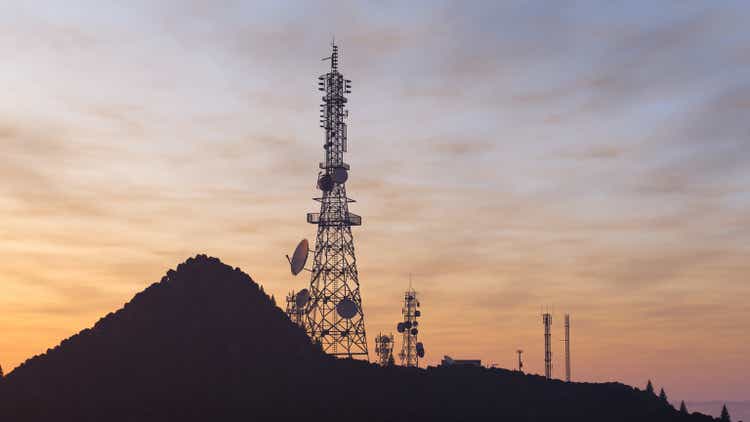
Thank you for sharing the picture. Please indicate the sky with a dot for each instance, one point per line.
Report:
(588, 157)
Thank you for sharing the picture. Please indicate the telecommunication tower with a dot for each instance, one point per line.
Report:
(295, 313)
(567, 347)
(520, 361)
(547, 320)
(384, 349)
(411, 348)
(334, 316)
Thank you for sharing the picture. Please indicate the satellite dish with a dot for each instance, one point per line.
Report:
(301, 299)
(407, 324)
(340, 175)
(420, 346)
(415, 323)
(325, 183)
(417, 313)
(400, 327)
(414, 331)
(420, 353)
(346, 308)
(299, 257)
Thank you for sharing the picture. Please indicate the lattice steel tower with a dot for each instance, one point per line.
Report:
(294, 312)
(411, 348)
(567, 347)
(334, 315)
(384, 349)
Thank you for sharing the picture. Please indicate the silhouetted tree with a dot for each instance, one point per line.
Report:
(725, 415)
(662, 395)
(650, 387)
(683, 408)
(273, 300)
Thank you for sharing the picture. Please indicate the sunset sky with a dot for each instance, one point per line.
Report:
(592, 157)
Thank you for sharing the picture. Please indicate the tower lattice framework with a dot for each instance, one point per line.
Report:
(294, 313)
(409, 354)
(335, 318)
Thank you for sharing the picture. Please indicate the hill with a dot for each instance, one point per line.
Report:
(205, 343)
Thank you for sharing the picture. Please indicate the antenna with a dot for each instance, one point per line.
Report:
(520, 361)
(333, 312)
(567, 347)
(547, 320)
(299, 257)
(411, 348)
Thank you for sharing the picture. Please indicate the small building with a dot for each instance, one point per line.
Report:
(449, 361)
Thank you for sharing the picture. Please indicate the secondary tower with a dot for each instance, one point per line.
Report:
(384, 349)
(411, 348)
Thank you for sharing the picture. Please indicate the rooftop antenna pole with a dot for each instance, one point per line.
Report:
(334, 316)
(547, 321)
(567, 347)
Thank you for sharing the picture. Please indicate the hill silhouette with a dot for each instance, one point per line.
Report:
(206, 344)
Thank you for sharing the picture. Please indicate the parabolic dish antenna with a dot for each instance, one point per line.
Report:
(299, 258)
(346, 308)
(414, 331)
(400, 327)
(325, 183)
(301, 299)
(340, 175)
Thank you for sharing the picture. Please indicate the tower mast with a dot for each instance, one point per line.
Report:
(547, 320)
(335, 318)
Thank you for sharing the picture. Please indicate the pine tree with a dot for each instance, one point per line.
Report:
(683, 408)
(725, 415)
(662, 395)
(650, 387)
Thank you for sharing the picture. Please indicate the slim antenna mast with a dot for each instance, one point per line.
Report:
(567, 347)
(547, 321)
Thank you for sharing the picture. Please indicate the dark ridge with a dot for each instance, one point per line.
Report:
(206, 344)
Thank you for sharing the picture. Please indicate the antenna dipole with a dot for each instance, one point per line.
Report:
(334, 317)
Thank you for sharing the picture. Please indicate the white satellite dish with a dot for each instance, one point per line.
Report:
(301, 299)
(299, 257)
(346, 308)
(340, 175)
